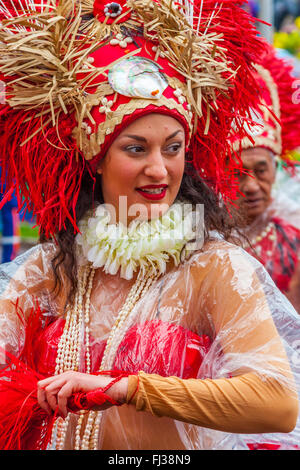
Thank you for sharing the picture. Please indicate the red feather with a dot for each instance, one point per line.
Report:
(46, 178)
(212, 154)
(24, 425)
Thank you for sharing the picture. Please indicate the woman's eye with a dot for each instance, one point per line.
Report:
(174, 148)
(134, 149)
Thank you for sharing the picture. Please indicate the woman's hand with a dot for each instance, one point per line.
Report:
(53, 393)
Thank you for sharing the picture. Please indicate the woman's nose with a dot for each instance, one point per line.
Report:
(156, 167)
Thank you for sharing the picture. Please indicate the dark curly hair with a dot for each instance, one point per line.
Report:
(193, 190)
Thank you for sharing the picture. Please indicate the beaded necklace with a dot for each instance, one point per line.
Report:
(149, 255)
(270, 233)
(69, 350)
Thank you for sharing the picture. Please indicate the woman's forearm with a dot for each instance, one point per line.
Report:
(243, 404)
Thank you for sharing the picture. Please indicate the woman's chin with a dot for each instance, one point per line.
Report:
(147, 212)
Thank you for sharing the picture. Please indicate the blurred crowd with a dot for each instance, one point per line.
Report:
(284, 12)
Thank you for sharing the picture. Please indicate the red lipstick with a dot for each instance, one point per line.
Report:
(153, 196)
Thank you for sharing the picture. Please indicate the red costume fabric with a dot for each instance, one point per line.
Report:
(279, 252)
(146, 347)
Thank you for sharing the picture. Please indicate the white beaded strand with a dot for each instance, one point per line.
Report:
(68, 355)
(86, 326)
(68, 352)
(87, 321)
(124, 318)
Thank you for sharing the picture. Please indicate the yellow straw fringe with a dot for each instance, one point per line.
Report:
(43, 53)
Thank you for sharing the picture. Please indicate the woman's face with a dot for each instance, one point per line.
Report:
(142, 171)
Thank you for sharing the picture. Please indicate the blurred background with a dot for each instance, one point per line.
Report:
(283, 29)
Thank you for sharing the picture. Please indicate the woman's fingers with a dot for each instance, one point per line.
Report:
(55, 385)
(50, 390)
(45, 382)
(55, 391)
(58, 390)
(49, 380)
(62, 397)
(42, 400)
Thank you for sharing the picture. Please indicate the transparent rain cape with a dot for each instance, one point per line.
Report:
(220, 292)
(286, 196)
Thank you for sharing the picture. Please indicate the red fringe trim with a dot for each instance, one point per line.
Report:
(212, 154)
(26, 426)
(23, 424)
(45, 176)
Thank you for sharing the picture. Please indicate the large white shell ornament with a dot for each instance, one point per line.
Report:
(137, 77)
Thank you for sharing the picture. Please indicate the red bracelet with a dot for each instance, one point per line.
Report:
(87, 400)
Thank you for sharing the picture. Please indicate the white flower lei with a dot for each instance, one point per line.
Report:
(143, 245)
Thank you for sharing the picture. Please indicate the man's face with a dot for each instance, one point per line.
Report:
(257, 186)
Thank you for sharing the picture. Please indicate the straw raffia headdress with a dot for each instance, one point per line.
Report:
(77, 72)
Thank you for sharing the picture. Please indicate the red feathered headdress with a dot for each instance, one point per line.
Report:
(72, 71)
(275, 112)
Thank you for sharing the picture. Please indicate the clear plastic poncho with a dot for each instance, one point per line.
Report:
(220, 293)
(286, 196)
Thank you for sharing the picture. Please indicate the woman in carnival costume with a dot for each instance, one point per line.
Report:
(132, 333)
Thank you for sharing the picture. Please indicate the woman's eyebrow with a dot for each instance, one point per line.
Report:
(174, 134)
(136, 137)
(142, 139)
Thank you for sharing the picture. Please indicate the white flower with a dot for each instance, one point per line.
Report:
(106, 106)
(121, 41)
(140, 246)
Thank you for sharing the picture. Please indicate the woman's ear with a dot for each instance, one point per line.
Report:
(99, 170)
